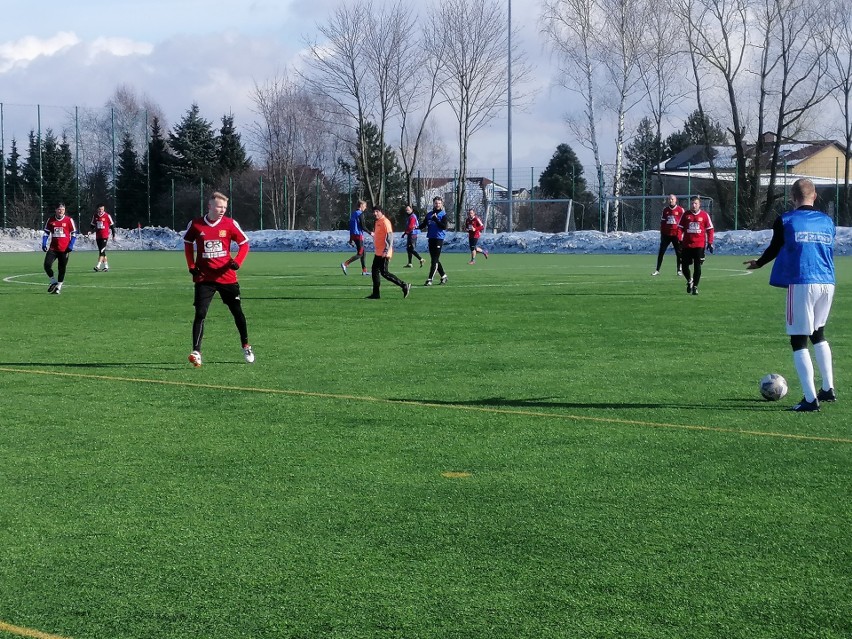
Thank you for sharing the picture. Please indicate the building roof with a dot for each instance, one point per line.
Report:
(790, 153)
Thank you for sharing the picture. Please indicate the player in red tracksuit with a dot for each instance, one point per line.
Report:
(207, 247)
(670, 232)
(412, 230)
(60, 234)
(102, 224)
(474, 227)
(697, 231)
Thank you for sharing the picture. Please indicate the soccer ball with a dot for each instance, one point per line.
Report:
(773, 387)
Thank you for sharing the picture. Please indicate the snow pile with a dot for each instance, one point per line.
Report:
(165, 239)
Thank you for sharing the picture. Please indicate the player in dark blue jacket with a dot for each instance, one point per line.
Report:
(436, 224)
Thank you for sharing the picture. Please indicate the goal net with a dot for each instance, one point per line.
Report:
(546, 216)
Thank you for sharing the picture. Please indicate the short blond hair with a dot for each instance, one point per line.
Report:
(803, 189)
(217, 195)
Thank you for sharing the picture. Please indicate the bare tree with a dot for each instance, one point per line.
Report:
(794, 66)
(661, 66)
(417, 70)
(337, 68)
(840, 72)
(624, 26)
(385, 50)
(789, 62)
(354, 66)
(295, 139)
(571, 26)
(473, 77)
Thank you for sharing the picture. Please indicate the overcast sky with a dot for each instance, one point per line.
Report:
(62, 54)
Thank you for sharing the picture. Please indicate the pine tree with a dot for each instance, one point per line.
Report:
(130, 185)
(31, 168)
(157, 167)
(693, 133)
(195, 151)
(563, 177)
(394, 178)
(644, 152)
(14, 179)
(233, 159)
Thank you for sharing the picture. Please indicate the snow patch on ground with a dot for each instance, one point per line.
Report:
(583, 242)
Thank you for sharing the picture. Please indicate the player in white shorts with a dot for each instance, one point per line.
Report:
(803, 242)
(808, 306)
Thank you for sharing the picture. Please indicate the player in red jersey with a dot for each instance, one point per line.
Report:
(670, 232)
(474, 227)
(696, 228)
(60, 234)
(207, 246)
(102, 224)
(412, 230)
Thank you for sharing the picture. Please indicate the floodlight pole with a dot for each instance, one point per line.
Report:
(509, 110)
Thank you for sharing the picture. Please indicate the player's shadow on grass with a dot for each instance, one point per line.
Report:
(543, 402)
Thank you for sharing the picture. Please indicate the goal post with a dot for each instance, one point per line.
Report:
(531, 214)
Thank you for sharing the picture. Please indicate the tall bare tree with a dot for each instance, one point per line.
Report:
(779, 40)
(336, 67)
(624, 26)
(294, 138)
(417, 70)
(386, 47)
(794, 67)
(353, 64)
(840, 72)
(572, 28)
(661, 67)
(474, 73)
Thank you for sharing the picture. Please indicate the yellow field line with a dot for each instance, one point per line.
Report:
(27, 632)
(408, 402)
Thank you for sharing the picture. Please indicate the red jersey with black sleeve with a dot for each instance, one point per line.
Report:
(60, 233)
(208, 246)
(697, 229)
(102, 224)
(473, 226)
(670, 220)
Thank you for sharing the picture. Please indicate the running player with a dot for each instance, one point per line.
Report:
(102, 224)
(670, 233)
(356, 238)
(58, 239)
(474, 227)
(697, 231)
(207, 247)
(411, 232)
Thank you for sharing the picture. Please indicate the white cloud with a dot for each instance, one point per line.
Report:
(24, 50)
(118, 47)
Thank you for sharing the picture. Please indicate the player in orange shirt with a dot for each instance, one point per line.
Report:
(383, 241)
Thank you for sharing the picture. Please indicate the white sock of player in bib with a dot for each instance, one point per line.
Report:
(822, 353)
(805, 369)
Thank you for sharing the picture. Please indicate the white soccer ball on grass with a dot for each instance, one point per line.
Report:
(773, 387)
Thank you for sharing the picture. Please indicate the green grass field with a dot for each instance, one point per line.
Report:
(548, 446)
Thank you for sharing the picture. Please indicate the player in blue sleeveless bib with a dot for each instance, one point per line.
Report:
(802, 246)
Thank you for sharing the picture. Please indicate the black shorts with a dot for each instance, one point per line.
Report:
(472, 242)
(691, 255)
(205, 291)
(102, 244)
